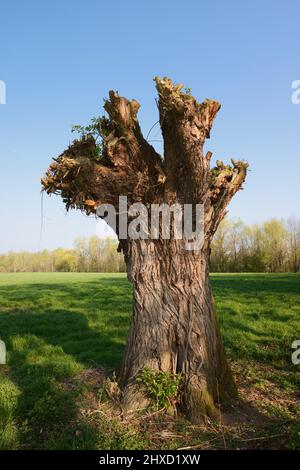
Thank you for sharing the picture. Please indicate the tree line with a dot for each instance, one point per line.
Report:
(88, 255)
(273, 246)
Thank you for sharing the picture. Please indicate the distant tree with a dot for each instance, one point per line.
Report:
(220, 256)
(293, 228)
(275, 245)
(238, 245)
(256, 261)
(64, 260)
(81, 251)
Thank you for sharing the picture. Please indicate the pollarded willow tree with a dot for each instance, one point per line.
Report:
(174, 326)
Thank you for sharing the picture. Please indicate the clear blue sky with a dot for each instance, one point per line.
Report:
(59, 59)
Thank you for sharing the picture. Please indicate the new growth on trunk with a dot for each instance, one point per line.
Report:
(174, 325)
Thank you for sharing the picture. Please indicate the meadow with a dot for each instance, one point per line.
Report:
(65, 334)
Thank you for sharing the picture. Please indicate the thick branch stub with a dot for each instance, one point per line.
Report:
(185, 125)
(121, 110)
(173, 99)
(226, 180)
(125, 145)
(83, 183)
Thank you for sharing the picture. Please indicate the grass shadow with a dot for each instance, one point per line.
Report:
(55, 327)
(53, 332)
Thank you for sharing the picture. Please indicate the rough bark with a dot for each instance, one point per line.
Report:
(174, 325)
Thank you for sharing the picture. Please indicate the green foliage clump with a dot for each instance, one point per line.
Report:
(161, 387)
(187, 91)
(95, 129)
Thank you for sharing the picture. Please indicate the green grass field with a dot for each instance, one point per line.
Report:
(65, 334)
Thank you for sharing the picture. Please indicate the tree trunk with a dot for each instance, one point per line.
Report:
(174, 327)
